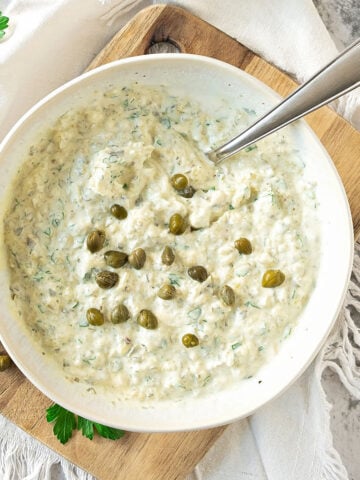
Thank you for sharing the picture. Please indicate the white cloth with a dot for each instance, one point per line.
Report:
(50, 42)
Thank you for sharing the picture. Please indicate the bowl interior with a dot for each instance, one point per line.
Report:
(209, 82)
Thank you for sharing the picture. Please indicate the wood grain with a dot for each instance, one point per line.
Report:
(136, 456)
(172, 456)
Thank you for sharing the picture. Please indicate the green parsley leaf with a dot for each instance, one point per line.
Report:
(65, 422)
(108, 432)
(86, 427)
(4, 23)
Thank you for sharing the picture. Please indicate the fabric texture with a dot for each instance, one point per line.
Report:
(51, 42)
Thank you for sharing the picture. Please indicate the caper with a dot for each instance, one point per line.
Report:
(5, 362)
(95, 240)
(227, 295)
(187, 192)
(198, 273)
(179, 181)
(147, 319)
(106, 279)
(167, 292)
(118, 211)
(177, 224)
(119, 314)
(272, 278)
(137, 258)
(167, 256)
(243, 245)
(115, 259)
(94, 317)
(190, 340)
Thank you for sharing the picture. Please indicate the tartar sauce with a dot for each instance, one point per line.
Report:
(123, 148)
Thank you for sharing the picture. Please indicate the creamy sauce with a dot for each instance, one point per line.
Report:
(123, 147)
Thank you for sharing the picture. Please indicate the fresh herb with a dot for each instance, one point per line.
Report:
(251, 304)
(231, 207)
(166, 122)
(86, 427)
(66, 422)
(242, 273)
(55, 222)
(250, 148)
(108, 432)
(236, 345)
(250, 111)
(4, 23)
(174, 279)
(195, 313)
(41, 309)
(206, 380)
(287, 331)
(88, 274)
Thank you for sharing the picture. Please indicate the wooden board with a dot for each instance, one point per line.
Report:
(172, 456)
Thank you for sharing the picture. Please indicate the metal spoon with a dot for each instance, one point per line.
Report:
(337, 78)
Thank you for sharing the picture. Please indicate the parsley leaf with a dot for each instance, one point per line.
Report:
(4, 23)
(66, 422)
(108, 432)
(86, 427)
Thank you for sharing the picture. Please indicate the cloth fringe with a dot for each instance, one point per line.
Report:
(341, 353)
(332, 467)
(26, 459)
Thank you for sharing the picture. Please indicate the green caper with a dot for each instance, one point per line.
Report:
(167, 256)
(94, 317)
(95, 240)
(106, 279)
(115, 259)
(198, 273)
(243, 245)
(167, 292)
(190, 340)
(227, 295)
(147, 319)
(179, 181)
(120, 314)
(137, 258)
(5, 362)
(187, 192)
(118, 211)
(272, 278)
(177, 224)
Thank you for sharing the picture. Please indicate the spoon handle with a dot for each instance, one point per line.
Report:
(337, 78)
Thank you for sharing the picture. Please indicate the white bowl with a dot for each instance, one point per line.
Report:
(207, 81)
